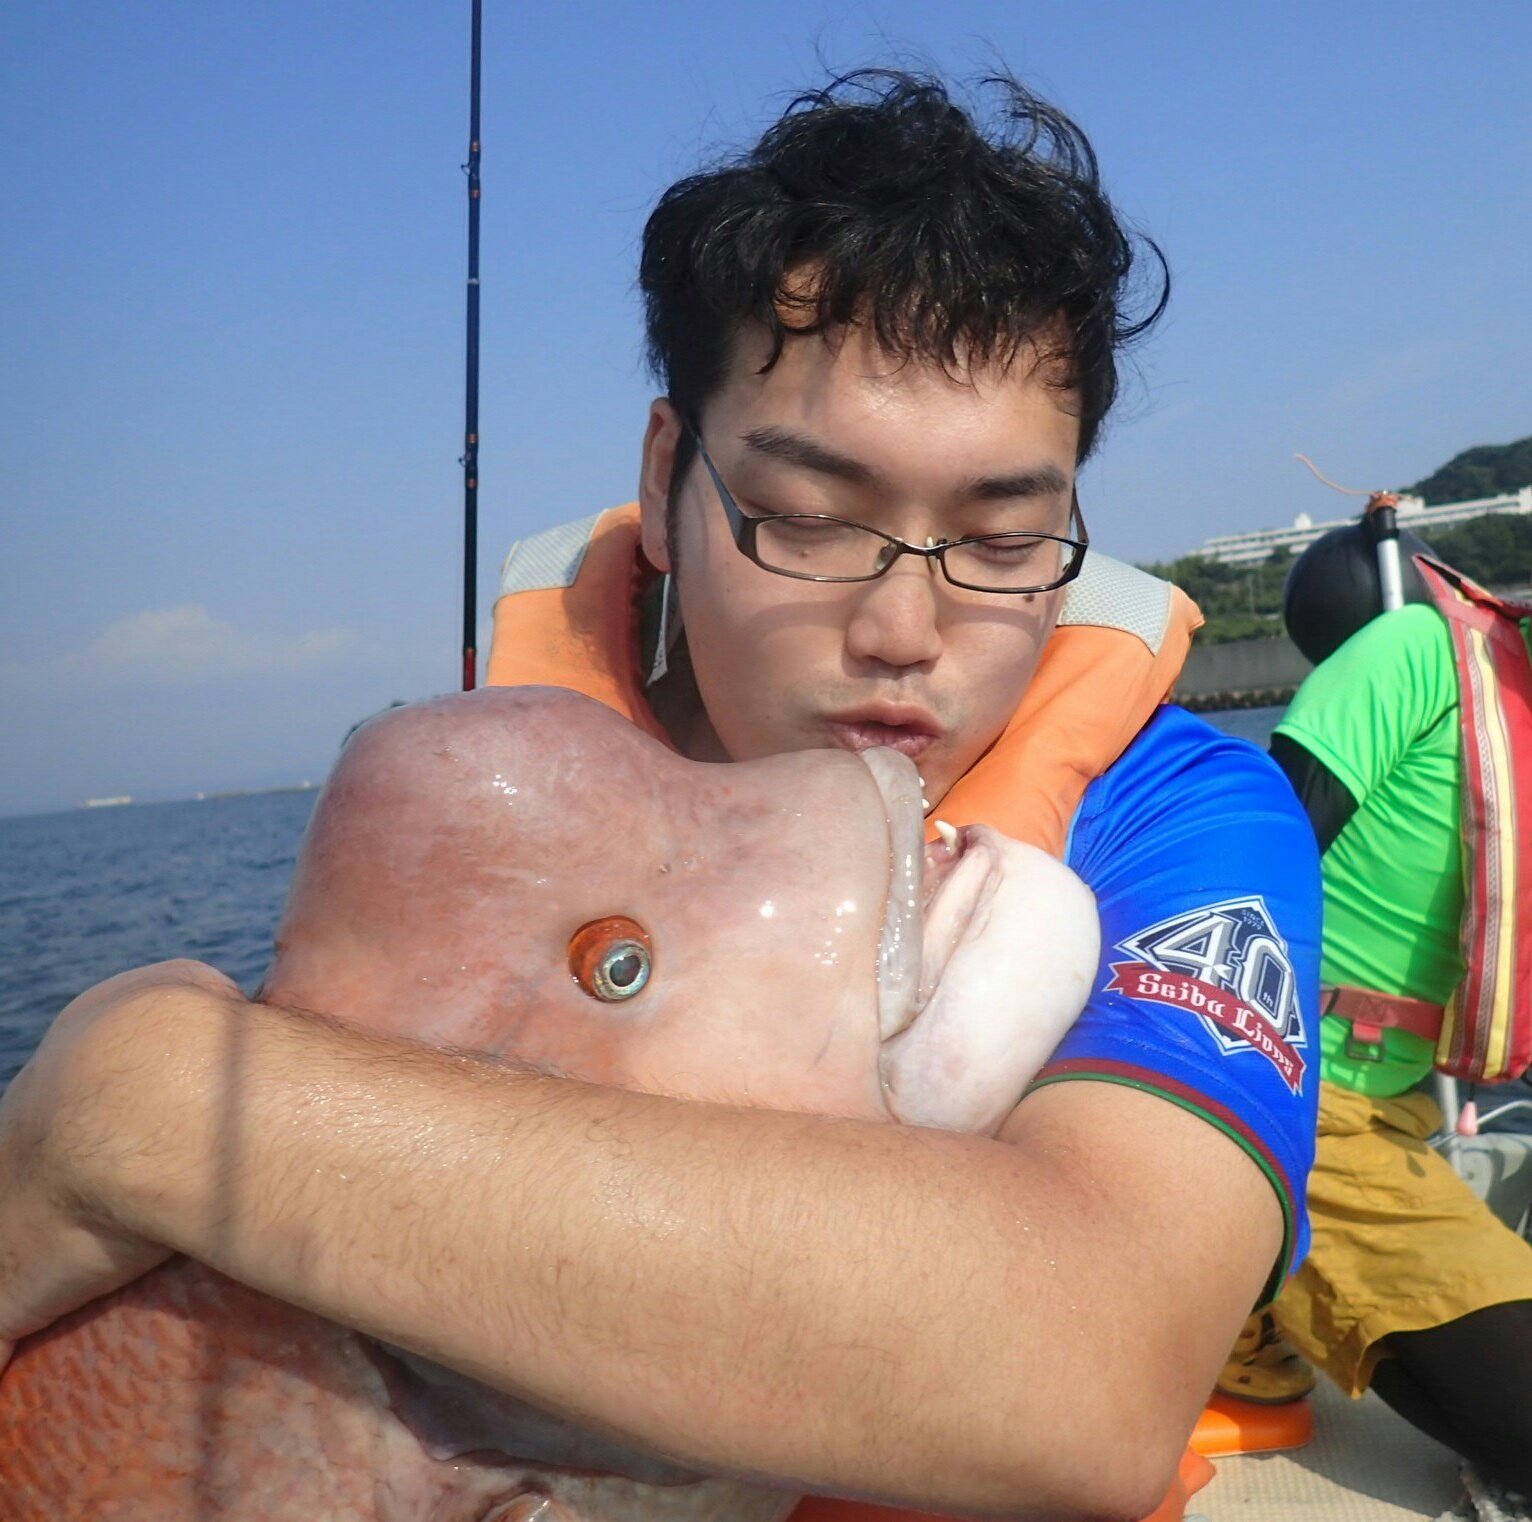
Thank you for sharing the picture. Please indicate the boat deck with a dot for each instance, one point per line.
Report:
(1365, 1464)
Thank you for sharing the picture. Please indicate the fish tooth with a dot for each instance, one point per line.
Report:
(948, 833)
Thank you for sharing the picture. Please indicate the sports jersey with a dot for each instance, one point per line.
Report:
(1206, 878)
(1382, 715)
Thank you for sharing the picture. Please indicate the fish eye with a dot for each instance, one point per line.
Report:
(611, 958)
(623, 971)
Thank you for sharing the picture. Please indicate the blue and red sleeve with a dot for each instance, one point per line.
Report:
(1206, 876)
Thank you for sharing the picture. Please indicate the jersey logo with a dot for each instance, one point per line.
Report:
(1227, 965)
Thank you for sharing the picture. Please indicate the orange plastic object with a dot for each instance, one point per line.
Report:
(1230, 1426)
(1193, 1474)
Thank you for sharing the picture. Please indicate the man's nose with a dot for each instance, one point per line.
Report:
(894, 619)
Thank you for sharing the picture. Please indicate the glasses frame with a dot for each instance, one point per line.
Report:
(744, 528)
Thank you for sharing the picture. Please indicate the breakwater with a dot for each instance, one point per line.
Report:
(1245, 673)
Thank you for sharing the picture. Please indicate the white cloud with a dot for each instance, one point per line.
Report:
(186, 645)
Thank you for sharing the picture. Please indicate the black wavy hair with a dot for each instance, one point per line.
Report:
(959, 238)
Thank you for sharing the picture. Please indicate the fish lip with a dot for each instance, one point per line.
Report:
(960, 881)
(900, 948)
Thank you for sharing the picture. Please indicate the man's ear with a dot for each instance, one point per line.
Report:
(661, 438)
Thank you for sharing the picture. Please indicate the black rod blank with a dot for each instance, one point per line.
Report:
(471, 422)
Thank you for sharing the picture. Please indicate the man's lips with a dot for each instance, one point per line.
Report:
(909, 732)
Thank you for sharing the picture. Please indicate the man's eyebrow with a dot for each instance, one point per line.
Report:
(1045, 480)
(807, 454)
(1040, 481)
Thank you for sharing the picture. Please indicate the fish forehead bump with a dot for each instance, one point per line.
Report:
(547, 766)
(439, 817)
(487, 767)
(460, 843)
(495, 731)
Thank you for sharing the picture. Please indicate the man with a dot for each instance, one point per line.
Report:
(1414, 1288)
(884, 317)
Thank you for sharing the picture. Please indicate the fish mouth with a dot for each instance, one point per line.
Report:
(900, 949)
(937, 893)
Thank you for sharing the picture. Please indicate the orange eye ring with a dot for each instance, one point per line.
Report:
(611, 958)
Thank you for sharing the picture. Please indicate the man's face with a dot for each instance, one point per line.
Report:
(907, 660)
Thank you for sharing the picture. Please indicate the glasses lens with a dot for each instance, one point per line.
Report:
(1009, 562)
(805, 545)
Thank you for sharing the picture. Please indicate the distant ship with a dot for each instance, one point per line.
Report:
(108, 803)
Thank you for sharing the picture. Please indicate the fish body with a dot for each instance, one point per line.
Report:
(523, 873)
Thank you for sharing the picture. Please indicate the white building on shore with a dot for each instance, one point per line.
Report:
(1257, 544)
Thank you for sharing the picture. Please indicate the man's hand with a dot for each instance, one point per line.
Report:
(59, 1244)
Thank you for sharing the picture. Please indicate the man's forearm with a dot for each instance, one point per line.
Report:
(840, 1306)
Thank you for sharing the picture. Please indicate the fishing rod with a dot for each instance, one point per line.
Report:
(471, 401)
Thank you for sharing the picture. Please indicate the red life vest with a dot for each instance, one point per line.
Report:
(1486, 1029)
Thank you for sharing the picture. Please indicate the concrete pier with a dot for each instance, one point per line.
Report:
(1245, 673)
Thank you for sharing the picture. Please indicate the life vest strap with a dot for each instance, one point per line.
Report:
(1371, 1013)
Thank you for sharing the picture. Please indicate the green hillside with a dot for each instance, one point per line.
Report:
(1238, 601)
(1486, 470)
(1245, 602)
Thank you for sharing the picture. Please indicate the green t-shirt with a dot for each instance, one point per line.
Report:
(1382, 715)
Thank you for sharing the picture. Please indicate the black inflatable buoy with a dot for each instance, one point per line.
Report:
(1332, 589)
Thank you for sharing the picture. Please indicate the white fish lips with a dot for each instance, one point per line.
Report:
(899, 956)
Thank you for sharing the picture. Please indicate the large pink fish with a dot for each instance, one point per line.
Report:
(521, 872)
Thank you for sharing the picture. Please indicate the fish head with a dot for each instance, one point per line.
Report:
(522, 872)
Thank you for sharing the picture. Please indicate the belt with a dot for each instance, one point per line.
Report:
(1372, 1013)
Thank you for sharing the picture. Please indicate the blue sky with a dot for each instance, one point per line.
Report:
(231, 299)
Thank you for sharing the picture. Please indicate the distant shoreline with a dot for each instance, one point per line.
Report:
(257, 792)
(126, 800)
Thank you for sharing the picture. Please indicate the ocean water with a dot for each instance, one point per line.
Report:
(92, 892)
(1248, 723)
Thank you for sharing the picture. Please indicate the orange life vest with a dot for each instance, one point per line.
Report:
(568, 616)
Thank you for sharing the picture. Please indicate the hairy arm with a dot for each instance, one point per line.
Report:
(907, 1315)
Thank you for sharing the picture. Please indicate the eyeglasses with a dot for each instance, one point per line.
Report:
(817, 547)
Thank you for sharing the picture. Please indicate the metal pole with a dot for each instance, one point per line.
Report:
(471, 422)
(1383, 524)
(1383, 520)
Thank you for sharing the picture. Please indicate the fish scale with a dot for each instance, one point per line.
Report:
(168, 1393)
(187, 1396)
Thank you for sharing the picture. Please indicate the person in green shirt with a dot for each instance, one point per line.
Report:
(1412, 1286)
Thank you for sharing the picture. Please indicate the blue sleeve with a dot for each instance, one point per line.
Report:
(1206, 876)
